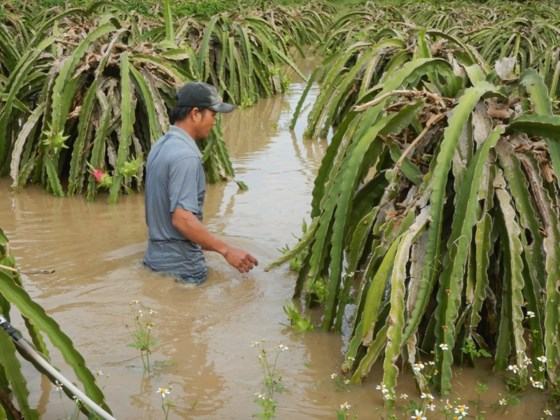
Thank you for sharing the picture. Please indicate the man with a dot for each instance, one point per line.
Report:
(175, 187)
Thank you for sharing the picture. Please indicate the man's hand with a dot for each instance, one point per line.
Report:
(242, 260)
(191, 228)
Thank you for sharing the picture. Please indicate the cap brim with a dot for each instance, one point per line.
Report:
(223, 107)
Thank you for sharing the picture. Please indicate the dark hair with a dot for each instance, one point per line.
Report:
(179, 113)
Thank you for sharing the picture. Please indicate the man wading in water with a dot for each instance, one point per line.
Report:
(175, 187)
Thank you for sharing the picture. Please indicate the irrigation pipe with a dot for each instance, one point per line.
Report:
(23, 345)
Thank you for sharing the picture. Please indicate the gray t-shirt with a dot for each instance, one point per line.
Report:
(174, 179)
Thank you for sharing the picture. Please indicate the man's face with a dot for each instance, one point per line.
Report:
(204, 120)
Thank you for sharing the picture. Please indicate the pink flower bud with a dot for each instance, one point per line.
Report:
(98, 174)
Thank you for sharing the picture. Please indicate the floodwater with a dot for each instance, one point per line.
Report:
(82, 262)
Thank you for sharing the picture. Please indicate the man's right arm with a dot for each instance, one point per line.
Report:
(192, 229)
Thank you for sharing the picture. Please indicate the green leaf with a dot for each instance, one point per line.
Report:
(13, 371)
(437, 185)
(547, 126)
(515, 271)
(396, 317)
(127, 126)
(19, 297)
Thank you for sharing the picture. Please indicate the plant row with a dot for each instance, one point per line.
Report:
(435, 214)
(85, 92)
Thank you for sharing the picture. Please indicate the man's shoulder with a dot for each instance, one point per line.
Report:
(174, 148)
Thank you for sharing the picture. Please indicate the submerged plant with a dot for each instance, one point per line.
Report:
(142, 335)
(271, 382)
(166, 403)
(300, 323)
(343, 413)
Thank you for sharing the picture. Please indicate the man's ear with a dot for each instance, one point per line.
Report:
(196, 114)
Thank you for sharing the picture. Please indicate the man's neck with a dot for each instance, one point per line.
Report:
(186, 128)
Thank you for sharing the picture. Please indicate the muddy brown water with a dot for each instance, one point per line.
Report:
(204, 333)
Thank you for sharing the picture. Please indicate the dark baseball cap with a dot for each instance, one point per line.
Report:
(202, 95)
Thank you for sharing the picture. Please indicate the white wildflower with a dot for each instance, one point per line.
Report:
(388, 396)
(444, 346)
(163, 392)
(542, 359)
(418, 367)
(418, 415)
(381, 388)
(530, 314)
(462, 410)
(347, 382)
(536, 384)
(404, 397)
(345, 406)
(502, 402)
(431, 407)
(283, 348)
(547, 412)
(334, 376)
(513, 368)
(58, 386)
(427, 396)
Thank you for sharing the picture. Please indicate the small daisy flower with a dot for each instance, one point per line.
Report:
(418, 367)
(163, 392)
(427, 396)
(58, 386)
(513, 368)
(536, 384)
(462, 410)
(418, 415)
(502, 402)
(345, 406)
(444, 346)
(404, 397)
(431, 407)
